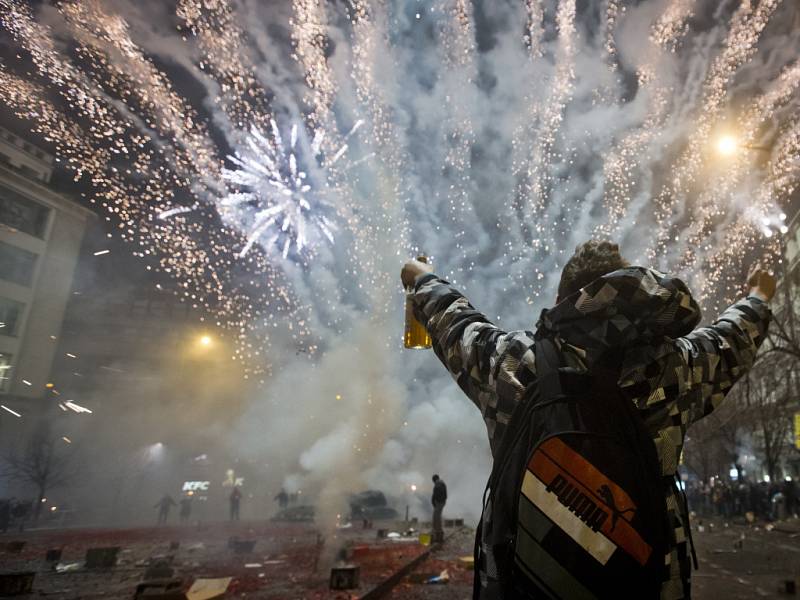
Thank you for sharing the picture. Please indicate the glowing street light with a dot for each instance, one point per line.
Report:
(727, 145)
(205, 340)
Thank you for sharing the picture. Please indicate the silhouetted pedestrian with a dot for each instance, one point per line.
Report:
(235, 502)
(164, 505)
(438, 499)
(5, 515)
(282, 498)
(186, 509)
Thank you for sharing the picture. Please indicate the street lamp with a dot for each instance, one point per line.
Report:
(205, 340)
(727, 145)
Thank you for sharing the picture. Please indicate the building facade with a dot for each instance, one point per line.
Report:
(786, 311)
(40, 239)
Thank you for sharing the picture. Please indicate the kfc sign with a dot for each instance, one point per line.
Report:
(196, 486)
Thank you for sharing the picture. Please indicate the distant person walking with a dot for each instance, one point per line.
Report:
(186, 509)
(235, 501)
(282, 498)
(21, 510)
(5, 515)
(164, 505)
(438, 499)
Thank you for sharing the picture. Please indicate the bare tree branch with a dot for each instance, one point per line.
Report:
(43, 463)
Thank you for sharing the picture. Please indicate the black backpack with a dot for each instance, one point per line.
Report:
(577, 497)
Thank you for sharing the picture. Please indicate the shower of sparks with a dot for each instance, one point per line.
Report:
(13, 412)
(233, 188)
(76, 407)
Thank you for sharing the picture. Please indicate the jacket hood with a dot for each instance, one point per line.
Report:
(627, 307)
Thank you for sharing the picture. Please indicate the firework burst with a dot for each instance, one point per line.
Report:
(275, 199)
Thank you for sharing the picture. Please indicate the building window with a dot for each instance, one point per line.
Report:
(22, 214)
(16, 264)
(5, 371)
(11, 313)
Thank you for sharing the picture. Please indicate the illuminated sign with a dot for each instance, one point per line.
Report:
(196, 486)
(797, 430)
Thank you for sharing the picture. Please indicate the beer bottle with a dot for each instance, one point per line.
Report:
(416, 336)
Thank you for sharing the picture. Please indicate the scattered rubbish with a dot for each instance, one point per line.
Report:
(53, 555)
(345, 577)
(101, 558)
(468, 562)
(425, 539)
(750, 516)
(66, 567)
(252, 565)
(273, 562)
(16, 584)
(439, 579)
(700, 529)
(197, 546)
(769, 526)
(169, 589)
(208, 589)
(393, 535)
(159, 569)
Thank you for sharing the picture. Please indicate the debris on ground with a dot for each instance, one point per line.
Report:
(209, 589)
(441, 578)
(66, 567)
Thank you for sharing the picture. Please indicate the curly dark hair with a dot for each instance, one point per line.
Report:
(591, 260)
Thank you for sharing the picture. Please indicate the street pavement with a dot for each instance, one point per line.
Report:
(737, 562)
(742, 561)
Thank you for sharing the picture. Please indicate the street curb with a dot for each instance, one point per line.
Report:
(387, 585)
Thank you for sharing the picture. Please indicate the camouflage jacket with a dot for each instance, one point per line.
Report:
(674, 373)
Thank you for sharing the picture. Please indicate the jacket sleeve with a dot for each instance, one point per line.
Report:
(491, 366)
(685, 379)
(713, 358)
